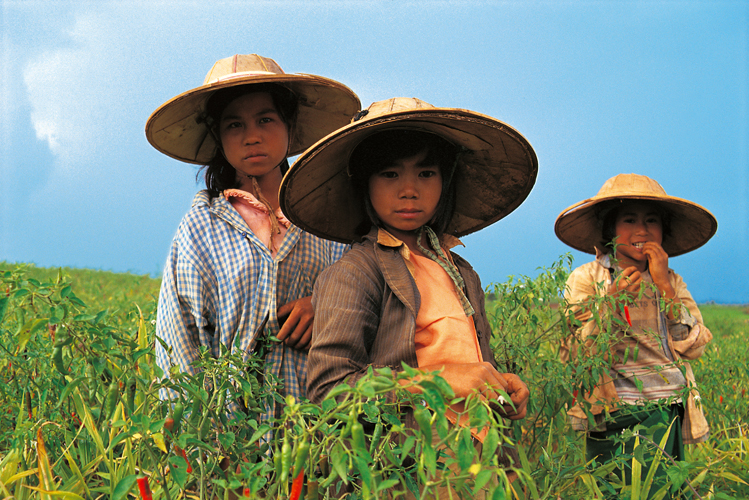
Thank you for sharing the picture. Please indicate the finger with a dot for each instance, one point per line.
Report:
(299, 327)
(285, 310)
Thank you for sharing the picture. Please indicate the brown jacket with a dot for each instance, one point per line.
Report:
(365, 313)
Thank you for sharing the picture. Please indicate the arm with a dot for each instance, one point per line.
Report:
(296, 317)
(181, 322)
(347, 307)
(688, 332)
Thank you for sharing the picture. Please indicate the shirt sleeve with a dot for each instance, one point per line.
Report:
(182, 321)
(688, 332)
(346, 305)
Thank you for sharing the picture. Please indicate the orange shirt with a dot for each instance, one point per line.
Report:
(443, 334)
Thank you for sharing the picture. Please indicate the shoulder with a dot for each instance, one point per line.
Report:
(589, 269)
(462, 263)
(585, 279)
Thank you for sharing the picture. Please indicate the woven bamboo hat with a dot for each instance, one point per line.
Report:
(178, 128)
(494, 174)
(581, 225)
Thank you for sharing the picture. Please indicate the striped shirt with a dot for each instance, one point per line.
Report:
(222, 287)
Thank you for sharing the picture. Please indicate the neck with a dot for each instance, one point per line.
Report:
(269, 185)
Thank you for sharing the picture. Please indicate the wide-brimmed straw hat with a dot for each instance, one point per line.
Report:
(581, 225)
(495, 172)
(178, 128)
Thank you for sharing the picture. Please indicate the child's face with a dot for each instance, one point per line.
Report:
(637, 223)
(405, 194)
(254, 138)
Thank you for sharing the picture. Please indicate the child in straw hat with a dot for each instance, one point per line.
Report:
(238, 271)
(633, 227)
(402, 182)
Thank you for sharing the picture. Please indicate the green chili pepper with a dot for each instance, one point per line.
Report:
(301, 455)
(57, 360)
(329, 480)
(62, 338)
(197, 405)
(376, 435)
(277, 461)
(131, 386)
(285, 457)
(220, 408)
(177, 412)
(423, 418)
(111, 400)
(205, 425)
(357, 436)
(311, 489)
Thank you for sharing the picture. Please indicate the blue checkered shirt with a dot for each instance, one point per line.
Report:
(221, 286)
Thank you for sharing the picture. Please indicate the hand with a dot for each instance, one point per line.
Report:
(628, 281)
(467, 378)
(658, 267)
(519, 395)
(296, 319)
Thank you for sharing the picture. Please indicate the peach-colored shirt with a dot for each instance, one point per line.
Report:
(257, 216)
(443, 334)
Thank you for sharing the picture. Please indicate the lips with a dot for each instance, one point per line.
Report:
(255, 154)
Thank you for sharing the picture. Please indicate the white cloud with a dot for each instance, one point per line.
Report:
(64, 87)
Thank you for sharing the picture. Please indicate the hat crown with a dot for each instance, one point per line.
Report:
(395, 105)
(630, 185)
(241, 65)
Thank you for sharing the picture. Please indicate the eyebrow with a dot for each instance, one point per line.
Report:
(647, 214)
(262, 112)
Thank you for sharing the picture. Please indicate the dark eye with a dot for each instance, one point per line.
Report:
(388, 174)
(428, 173)
(266, 119)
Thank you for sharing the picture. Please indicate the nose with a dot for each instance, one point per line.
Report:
(641, 227)
(252, 134)
(408, 188)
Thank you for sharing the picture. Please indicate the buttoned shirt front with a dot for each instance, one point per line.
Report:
(222, 287)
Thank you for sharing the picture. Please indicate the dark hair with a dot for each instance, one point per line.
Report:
(610, 212)
(219, 174)
(382, 149)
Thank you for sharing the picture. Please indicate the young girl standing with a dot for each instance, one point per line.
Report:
(237, 269)
(633, 227)
(403, 181)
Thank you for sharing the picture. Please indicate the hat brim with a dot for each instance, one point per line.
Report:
(580, 226)
(176, 130)
(495, 174)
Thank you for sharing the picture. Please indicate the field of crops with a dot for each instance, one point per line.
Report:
(80, 415)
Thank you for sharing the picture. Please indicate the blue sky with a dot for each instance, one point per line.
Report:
(659, 88)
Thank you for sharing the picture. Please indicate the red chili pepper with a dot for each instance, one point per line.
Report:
(721, 399)
(626, 315)
(145, 489)
(246, 492)
(296, 486)
(181, 452)
(574, 396)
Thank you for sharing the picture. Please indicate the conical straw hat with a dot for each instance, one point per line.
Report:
(178, 129)
(581, 225)
(496, 171)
